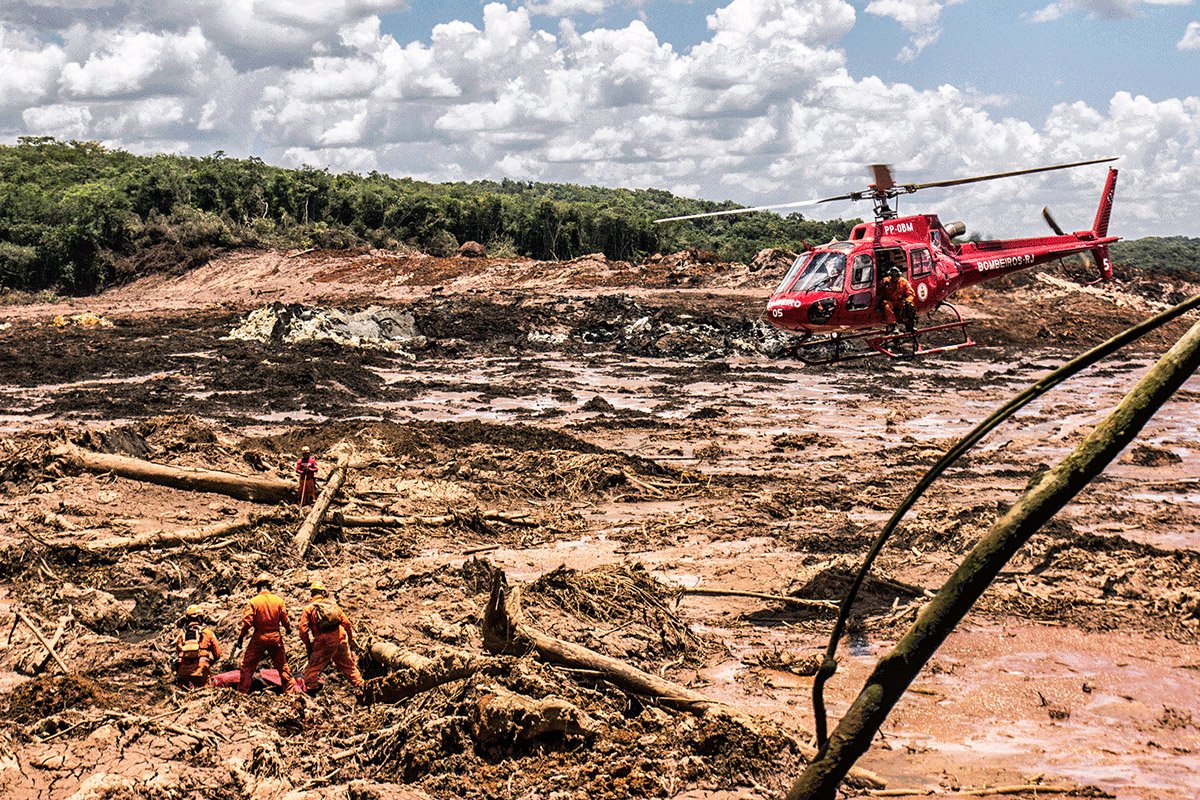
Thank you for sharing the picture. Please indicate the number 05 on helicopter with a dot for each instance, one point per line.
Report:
(899, 271)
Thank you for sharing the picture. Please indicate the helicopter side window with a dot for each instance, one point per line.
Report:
(826, 272)
(862, 274)
(921, 261)
(797, 265)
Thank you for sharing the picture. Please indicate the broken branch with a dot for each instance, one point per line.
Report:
(37, 632)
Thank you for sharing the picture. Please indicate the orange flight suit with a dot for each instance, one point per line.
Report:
(899, 302)
(327, 646)
(193, 670)
(266, 614)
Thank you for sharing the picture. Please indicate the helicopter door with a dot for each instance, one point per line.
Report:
(862, 283)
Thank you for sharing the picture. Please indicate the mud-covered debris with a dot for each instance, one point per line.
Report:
(51, 694)
(373, 327)
(471, 250)
(772, 259)
(1146, 455)
(501, 716)
(98, 609)
(624, 594)
(85, 319)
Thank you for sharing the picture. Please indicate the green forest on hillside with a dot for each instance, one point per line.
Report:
(76, 216)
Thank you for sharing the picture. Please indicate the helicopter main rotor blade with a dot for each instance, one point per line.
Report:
(912, 187)
(745, 210)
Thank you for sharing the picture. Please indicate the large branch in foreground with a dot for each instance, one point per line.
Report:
(505, 630)
(316, 517)
(259, 489)
(1041, 501)
(414, 673)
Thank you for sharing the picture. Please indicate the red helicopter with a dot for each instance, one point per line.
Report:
(835, 294)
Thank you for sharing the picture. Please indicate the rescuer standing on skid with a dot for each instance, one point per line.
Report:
(266, 613)
(306, 467)
(899, 300)
(332, 639)
(196, 649)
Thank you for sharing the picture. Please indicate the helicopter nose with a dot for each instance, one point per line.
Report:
(785, 313)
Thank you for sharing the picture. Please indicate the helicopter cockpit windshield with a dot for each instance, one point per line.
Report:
(818, 271)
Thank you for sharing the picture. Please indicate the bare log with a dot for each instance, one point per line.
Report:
(169, 538)
(37, 632)
(259, 489)
(1044, 497)
(312, 523)
(506, 631)
(416, 673)
(400, 521)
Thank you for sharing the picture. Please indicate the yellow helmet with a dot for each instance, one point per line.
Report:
(194, 611)
(263, 578)
(317, 586)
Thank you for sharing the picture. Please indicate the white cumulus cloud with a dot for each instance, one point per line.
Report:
(921, 18)
(1191, 37)
(1108, 9)
(763, 110)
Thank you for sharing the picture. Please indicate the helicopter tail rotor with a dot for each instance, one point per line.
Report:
(1054, 226)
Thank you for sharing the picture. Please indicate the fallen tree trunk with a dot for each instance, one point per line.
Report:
(393, 521)
(415, 673)
(168, 538)
(505, 631)
(258, 489)
(312, 523)
(1042, 499)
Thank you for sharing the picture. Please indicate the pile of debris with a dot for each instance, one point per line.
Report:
(372, 327)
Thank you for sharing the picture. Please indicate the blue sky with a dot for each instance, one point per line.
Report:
(759, 101)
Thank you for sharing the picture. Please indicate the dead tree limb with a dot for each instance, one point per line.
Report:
(312, 523)
(169, 538)
(37, 632)
(259, 489)
(415, 673)
(1041, 501)
(505, 631)
(63, 621)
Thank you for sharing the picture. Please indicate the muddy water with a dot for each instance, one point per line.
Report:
(665, 409)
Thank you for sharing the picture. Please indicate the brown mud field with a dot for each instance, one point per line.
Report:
(609, 437)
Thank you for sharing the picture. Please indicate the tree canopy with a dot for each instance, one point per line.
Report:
(77, 216)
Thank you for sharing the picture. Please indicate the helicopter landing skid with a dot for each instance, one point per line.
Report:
(839, 347)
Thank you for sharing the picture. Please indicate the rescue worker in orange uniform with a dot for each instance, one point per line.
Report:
(196, 650)
(266, 614)
(899, 301)
(328, 637)
(306, 468)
